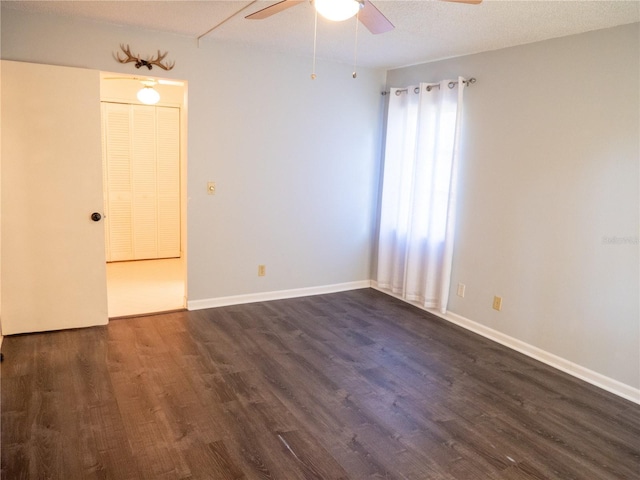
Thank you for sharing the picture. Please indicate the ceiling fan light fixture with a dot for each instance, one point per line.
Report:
(338, 10)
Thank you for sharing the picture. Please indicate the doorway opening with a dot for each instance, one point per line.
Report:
(144, 173)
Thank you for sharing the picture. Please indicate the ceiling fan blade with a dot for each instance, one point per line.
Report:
(472, 2)
(373, 19)
(273, 9)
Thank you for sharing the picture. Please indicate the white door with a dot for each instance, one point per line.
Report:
(141, 155)
(53, 254)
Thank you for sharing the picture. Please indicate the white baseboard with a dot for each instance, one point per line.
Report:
(276, 295)
(609, 384)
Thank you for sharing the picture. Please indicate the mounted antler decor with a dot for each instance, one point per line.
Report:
(139, 62)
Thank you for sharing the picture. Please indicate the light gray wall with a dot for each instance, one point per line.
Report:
(295, 161)
(549, 212)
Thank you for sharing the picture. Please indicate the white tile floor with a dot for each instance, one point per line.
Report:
(145, 286)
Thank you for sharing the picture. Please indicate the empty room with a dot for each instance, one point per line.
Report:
(402, 239)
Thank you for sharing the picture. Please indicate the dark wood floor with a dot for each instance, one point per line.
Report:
(353, 385)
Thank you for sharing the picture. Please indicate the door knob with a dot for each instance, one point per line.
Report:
(95, 216)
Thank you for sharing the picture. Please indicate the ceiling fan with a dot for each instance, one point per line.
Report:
(367, 13)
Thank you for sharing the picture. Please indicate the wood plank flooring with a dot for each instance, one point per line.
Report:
(353, 385)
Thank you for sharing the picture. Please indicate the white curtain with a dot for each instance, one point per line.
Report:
(417, 219)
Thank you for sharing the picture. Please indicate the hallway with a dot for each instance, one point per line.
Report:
(145, 286)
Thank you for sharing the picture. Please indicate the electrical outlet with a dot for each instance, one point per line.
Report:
(211, 188)
(497, 303)
(262, 270)
(461, 289)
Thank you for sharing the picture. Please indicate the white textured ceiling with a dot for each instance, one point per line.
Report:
(425, 30)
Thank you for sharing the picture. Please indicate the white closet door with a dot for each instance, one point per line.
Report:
(168, 155)
(116, 127)
(142, 188)
(145, 182)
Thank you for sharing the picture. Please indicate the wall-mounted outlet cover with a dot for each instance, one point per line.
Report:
(497, 303)
(461, 288)
(262, 270)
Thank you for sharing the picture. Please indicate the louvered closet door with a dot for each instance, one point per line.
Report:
(145, 182)
(168, 174)
(143, 186)
(116, 157)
